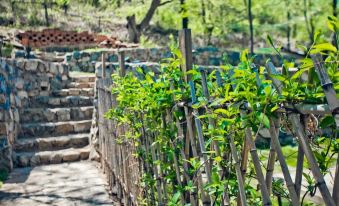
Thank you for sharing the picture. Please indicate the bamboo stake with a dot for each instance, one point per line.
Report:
(211, 121)
(193, 197)
(155, 171)
(195, 153)
(200, 135)
(327, 86)
(333, 103)
(225, 197)
(147, 165)
(256, 162)
(297, 127)
(299, 171)
(241, 188)
(271, 159)
(283, 164)
(201, 140)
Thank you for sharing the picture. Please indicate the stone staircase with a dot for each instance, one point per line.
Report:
(56, 128)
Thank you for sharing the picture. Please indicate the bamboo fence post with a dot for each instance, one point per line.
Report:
(211, 121)
(283, 164)
(225, 197)
(193, 197)
(272, 153)
(297, 127)
(299, 171)
(155, 171)
(242, 194)
(176, 164)
(327, 86)
(333, 103)
(200, 135)
(257, 165)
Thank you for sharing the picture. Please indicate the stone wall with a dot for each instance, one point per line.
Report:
(85, 61)
(22, 82)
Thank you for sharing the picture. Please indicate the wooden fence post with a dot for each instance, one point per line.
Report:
(103, 65)
(185, 42)
(122, 66)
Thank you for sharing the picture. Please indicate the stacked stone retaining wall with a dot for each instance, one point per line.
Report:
(85, 60)
(22, 82)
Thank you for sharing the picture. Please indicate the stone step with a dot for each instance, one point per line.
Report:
(30, 159)
(88, 92)
(81, 85)
(83, 79)
(52, 143)
(53, 102)
(34, 115)
(29, 130)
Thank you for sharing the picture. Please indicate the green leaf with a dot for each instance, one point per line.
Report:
(327, 121)
(244, 55)
(332, 23)
(270, 40)
(299, 73)
(323, 47)
(263, 119)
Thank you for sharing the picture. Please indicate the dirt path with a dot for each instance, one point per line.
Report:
(67, 184)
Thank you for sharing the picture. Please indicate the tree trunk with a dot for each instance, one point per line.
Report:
(184, 14)
(288, 30)
(307, 22)
(46, 12)
(250, 19)
(135, 30)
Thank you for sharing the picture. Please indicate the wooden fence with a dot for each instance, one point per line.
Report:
(125, 170)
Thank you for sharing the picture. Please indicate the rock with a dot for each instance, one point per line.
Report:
(19, 83)
(64, 128)
(32, 65)
(23, 161)
(44, 158)
(18, 102)
(64, 78)
(2, 99)
(63, 115)
(33, 93)
(81, 127)
(3, 130)
(74, 92)
(70, 156)
(84, 154)
(44, 93)
(53, 68)
(44, 84)
(94, 155)
(54, 101)
(55, 158)
(35, 160)
(22, 94)
(44, 144)
(42, 68)
(61, 69)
